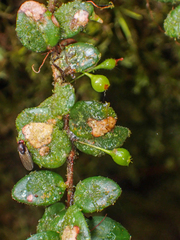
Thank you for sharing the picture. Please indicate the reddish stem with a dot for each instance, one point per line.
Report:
(119, 59)
(69, 182)
(98, 223)
(111, 5)
(70, 165)
(47, 54)
(51, 5)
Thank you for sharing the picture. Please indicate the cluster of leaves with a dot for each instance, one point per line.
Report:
(48, 134)
(144, 93)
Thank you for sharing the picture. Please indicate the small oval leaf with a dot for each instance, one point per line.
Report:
(94, 122)
(40, 188)
(74, 225)
(107, 228)
(111, 140)
(49, 155)
(96, 193)
(76, 57)
(35, 28)
(61, 101)
(84, 113)
(73, 17)
(52, 218)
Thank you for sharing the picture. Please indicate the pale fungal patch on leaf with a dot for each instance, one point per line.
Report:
(70, 234)
(43, 151)
(80, 19)
(99, 128)
(33, 9)
(38, 134)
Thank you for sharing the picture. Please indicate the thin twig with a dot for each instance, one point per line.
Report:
(70, 165)
(99, 223)
(69, 182)
(51, 5)
(111, 5)
(41, 63)
(152, 17)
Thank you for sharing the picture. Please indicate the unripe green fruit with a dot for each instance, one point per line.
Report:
(108, 64)
(100, 83)
(121, 156)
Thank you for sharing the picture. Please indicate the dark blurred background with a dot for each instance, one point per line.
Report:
(145, 93)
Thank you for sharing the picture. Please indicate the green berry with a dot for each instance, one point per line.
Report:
(108, 64)
(100, 83)
(121, 156)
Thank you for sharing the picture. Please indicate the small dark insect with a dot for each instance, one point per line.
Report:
(25, 155)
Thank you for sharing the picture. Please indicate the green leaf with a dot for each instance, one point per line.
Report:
(50, 154)
(36, 114)
(35, 27)
(107, 229)
(172, 23)
(76, 57)
(53, 108)
(96, 193)
(82, 111)
(40, 188)
(93, 122)
(74, 225)
(111, 140)
(49, 235)
(61, 101)
(52, 218)
(73, 17)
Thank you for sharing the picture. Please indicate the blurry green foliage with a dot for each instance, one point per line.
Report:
(144, 92)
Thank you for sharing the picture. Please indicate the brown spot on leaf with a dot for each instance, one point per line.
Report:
(99, 128)
(43, 151)
(38, 134)
(80, 19)
(70, 234)
(33, 9)
(51, 121)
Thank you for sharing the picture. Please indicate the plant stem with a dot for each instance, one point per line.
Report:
(93, 146)
(51, 5)
(57, 74)
(69, 182)
(70, 165)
